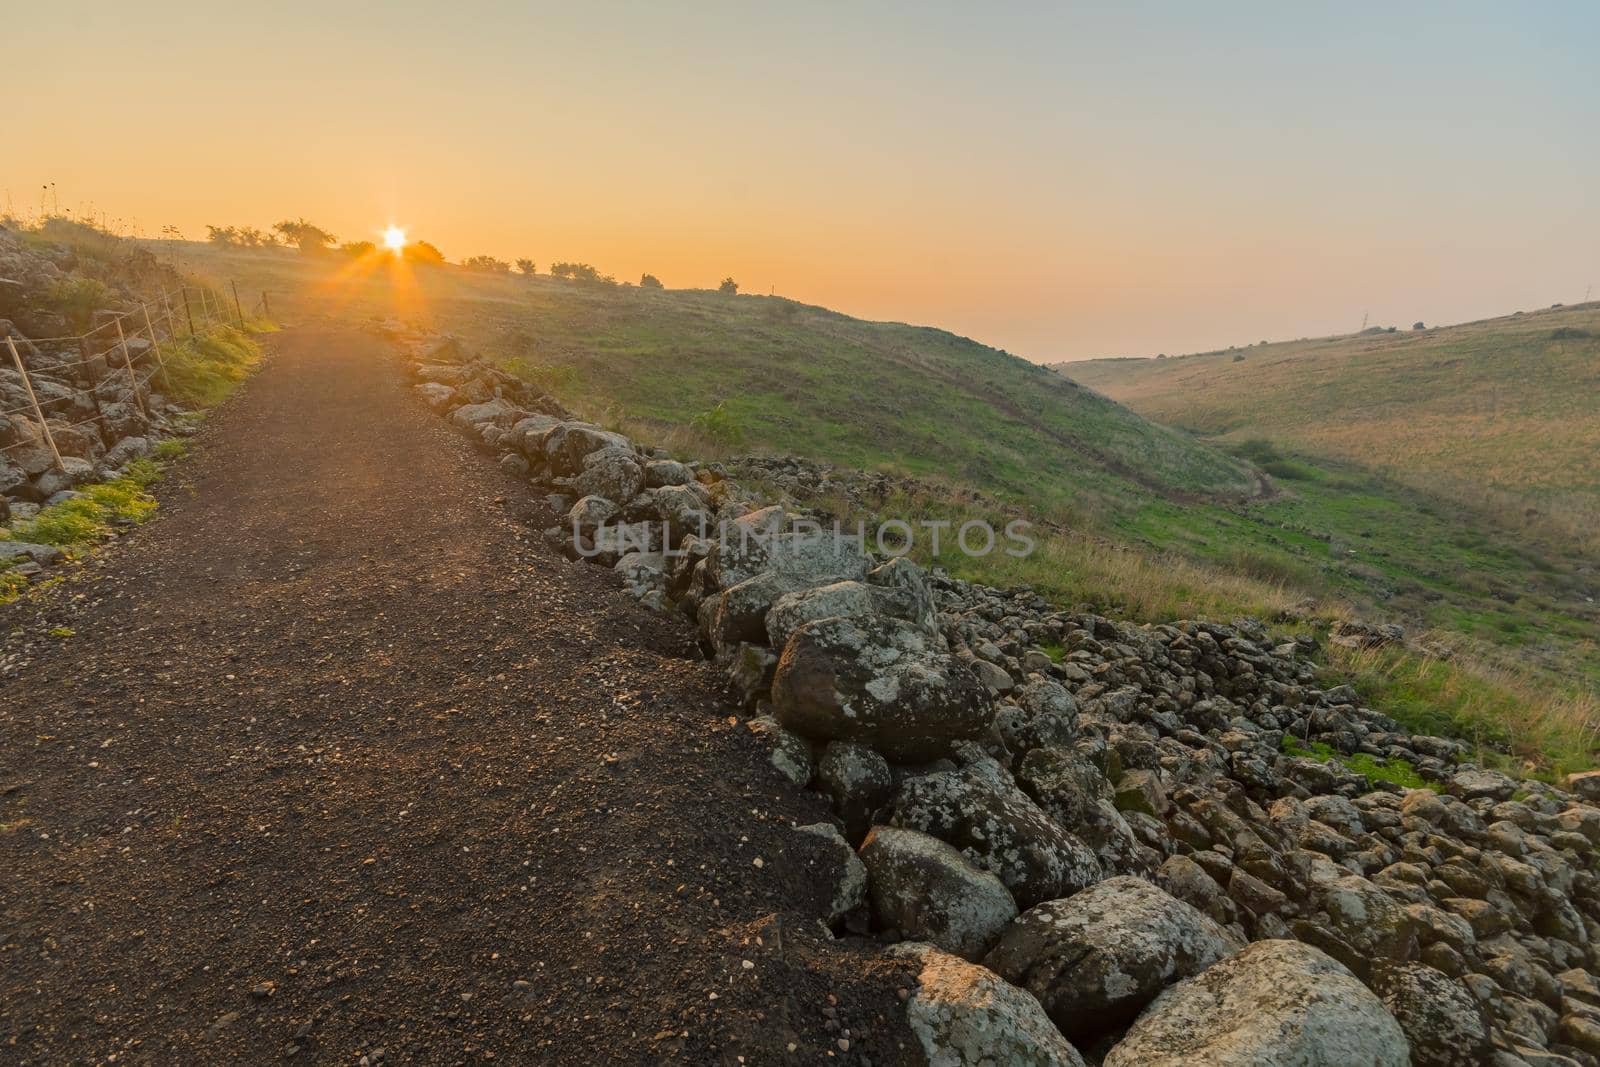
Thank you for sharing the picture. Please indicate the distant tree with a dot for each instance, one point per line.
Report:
(356, 249)
(305, 236)
(649, 281)
(1239, 358)
(422, 252)
(1419, 326)
(222, 236)
(526, 266)
(728, 286)
(486, 265)
(580, 272)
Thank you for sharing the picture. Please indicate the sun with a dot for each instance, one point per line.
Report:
(394, 239)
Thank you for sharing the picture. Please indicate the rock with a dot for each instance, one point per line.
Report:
(1141, 790)
(1586, 784)
(1095, 959)
(965, 1016)
(496, 412)
(835, 600)
(590, 513)
(755, 543)
(126, 451)
(857, 779)
(842, 868)
(927, 891)
(1001, 830)
(665, 472)
(994, 677)
(40, 554)
(565, 445)
(527, 435)
(1443, 1023)
(879, 680)
(788, 752)
(1275, 1004)
(436, 395)
(612, 473)
(1371, 922)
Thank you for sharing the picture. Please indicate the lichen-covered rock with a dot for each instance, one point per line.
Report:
(1096, 958)
(565, 445)
(1443, 1023)
(436, 395)
(879, 680)
(966, 1016)
(857, 779)
(842, 869)
(496, 412)
(613, 473)
(927, 891)
(787, 752)
(659, 473)
(1275, 1004)
(1002, 831)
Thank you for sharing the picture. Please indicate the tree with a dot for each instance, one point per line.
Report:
(580, 272)
(305, 236)
(728, 286)
(649, 281)
(526, 266)
(422, 252)
(486, 265)
(225, 236)
(356, 249)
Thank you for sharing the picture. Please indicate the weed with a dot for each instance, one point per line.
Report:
(1396, 771)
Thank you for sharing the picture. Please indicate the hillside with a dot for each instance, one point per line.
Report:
(1497, 415)
(1144, 521)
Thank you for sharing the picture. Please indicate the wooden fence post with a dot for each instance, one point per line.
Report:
(236, 309)
(155, 343)
(127, 361)
(266, 305)
(183, 291)
(44, 425)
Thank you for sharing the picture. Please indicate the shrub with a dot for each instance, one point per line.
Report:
(649, 281)
(719, 424)
(728, 286)
(77, 299)
(486, 265)
(526, 266)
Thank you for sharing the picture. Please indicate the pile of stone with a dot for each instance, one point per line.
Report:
(99, 416)
(1100, 841)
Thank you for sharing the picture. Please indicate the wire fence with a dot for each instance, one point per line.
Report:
(126, 345)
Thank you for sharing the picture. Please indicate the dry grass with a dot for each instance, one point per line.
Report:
(1548, 729)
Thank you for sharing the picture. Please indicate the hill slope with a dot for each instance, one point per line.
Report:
(1497, 414)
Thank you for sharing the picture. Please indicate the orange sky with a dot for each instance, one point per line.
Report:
(1062, 183)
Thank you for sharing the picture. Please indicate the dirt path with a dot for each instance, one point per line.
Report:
(340, 761)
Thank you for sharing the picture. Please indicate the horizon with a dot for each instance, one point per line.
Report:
(1121, 184)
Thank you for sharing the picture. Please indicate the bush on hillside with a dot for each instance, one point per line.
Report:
(728, 286)
(649, 281)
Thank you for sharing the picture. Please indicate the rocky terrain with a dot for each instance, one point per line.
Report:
(99, 416)
(1101, 842)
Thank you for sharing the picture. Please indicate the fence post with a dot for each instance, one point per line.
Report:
(183, 290)
(172, 330)
(127, 361)
(236, 309)
(155, 343)
(266, 305)
(37, 410)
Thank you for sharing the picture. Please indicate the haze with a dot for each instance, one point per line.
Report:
(1062, 183)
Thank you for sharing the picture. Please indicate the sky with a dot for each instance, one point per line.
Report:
(1060, 180)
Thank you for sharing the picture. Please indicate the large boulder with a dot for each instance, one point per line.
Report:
(979, 811)
(1440, 1018)
(1275, 1004)
(880, 680)
(761, 541)
(927, 891)
(1095, 959)
(613, 473)
(964, 1016)
(567, 443)
(495, 412)
(898, 589)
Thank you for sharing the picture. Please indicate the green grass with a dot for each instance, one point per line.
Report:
(92, 517)
(202, 372)
(1397, 772)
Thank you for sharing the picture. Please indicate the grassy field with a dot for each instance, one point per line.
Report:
(1498, 415)
(1148, 522)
